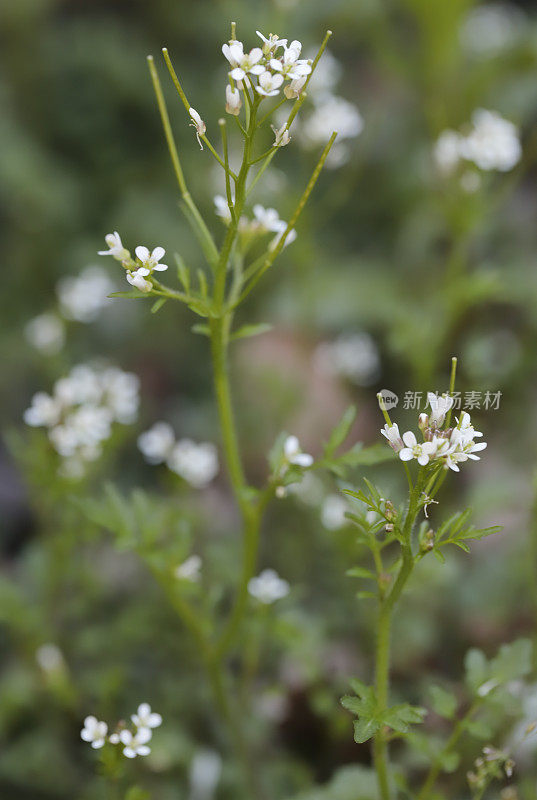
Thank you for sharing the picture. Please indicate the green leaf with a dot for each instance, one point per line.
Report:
(361, 572)
(133, 294)
(183, 273)
(245, 331)
(513, 661)
(478, 728)
(443, 702)
(365, 729)
(158, 305)
(455, 531)
(202, 329)
(477, 668)
(402, 716)
(340, 432)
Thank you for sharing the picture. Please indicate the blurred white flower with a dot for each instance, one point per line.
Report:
(268, 587)
(49, 657)
(266, 219)
(294, 455)
(447, 151)
(135, 744)
(145, 718)
(46, 333)
(333, 512)
(222, 208)
(45, 410)
(289, 239)
(332, 113)
(156, 444)
(352, 356)
(82, 297)
(121, 394)
(116, 249)
(269, 84)
(94, 732)
(204, 777)
(493, 143)
(490, 28)
(189, 570)
(196, 463)
(327, 73)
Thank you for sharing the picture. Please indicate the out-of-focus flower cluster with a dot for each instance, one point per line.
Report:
(491, 143)
(268, 587)
(450, 446)
(195, 463)
(80, 412)
(134, 740)
(265, 220)
(351, 356)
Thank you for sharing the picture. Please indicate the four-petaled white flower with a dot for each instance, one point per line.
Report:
(291, 65)
(116, 249)
(269, 84)
(233, 100)
(243, 63)
(439, 408)
(135, 744)
(267, 219)
(94, 732)
(145, 718)
(422, 452)
(151, 260)
(391, 432)
(294, 455)
(189, 570)
(268, 587)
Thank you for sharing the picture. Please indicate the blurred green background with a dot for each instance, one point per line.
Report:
(386, 248)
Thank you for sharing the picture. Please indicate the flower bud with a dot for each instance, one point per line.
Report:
(233, 101)
(282, 136)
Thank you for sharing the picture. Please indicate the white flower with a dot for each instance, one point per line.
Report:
(198, 124)
(151, 261)
(204, 775)
(269, 84)
(294, 88)
(196, 463)
(189, 570)
(439, 408)
(289, 239)
(294, 455)
(266, 219)
(282, 136)
(493, 144)
(333, 512)
(222, 208)
(116, 249)
(268, 587)
(82, 297)
(94, 732)
(233, 100)
(353, 356)
(242, 62)
(135, 744)
(271, 43)
(81, 385)
(145, 718)
(137, 279)
(422, 452)
(391, 432)
(45, 410)
(291, 65)
(46, 333)
(156, 444)
(490, 28)
(49, 657)
(121, 394)
(447, 151)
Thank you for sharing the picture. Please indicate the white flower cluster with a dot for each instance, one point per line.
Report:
(139, 268)
(330, 113)
(134, 741)
(196, 463)
(491, 143)
(81, 410)
(46, 333)
(82, 297)
(265, 69)
(265, 220)
(268, 587)
(450, 446)
(352, 356)
(491, 28)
